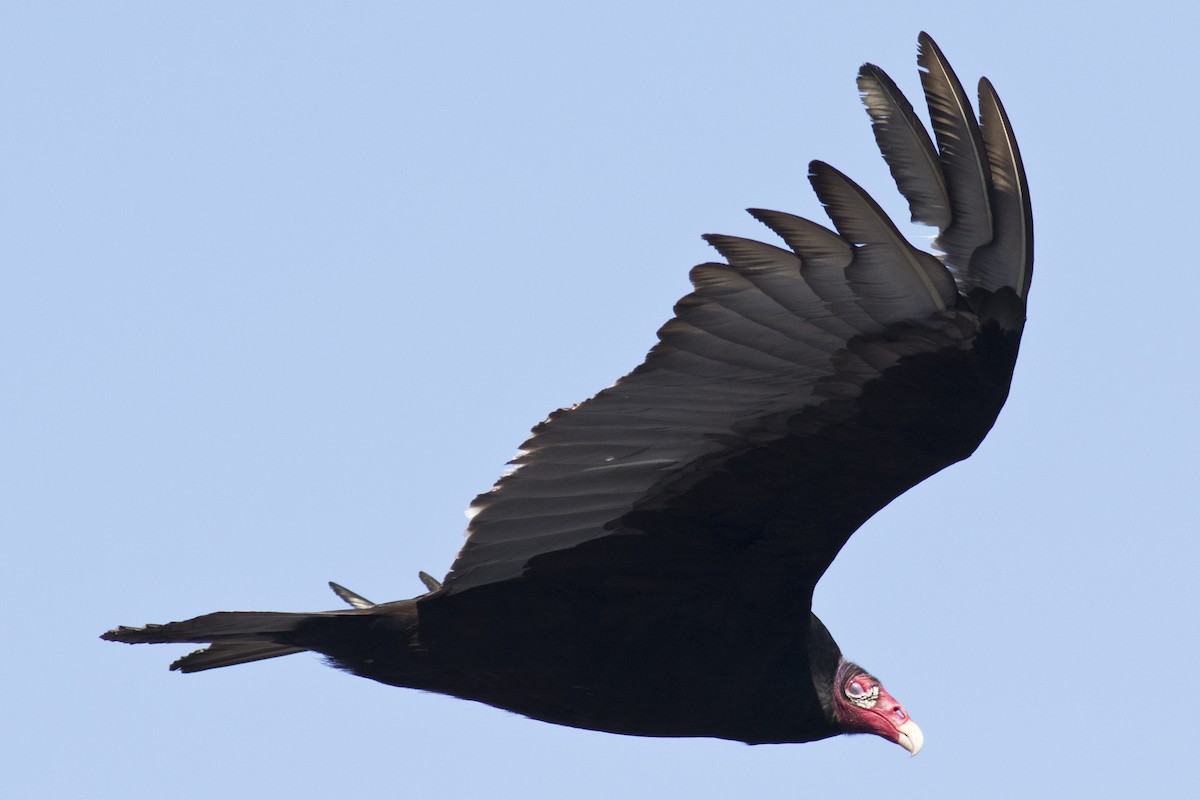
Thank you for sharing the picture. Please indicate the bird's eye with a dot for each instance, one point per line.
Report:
(862, 694)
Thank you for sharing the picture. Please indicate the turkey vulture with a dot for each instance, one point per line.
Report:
(647, 565)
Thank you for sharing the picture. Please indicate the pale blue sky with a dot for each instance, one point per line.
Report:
(283, 286)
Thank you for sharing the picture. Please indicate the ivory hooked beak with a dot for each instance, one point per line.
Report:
(910, 737)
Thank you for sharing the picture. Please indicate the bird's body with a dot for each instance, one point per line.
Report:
(594, 658)
(648, 565)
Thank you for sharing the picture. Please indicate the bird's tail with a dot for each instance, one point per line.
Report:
(235, 637)
(238, 637)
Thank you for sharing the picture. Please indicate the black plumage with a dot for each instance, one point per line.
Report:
(647, 566)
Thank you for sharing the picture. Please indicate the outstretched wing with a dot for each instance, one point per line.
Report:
(796, 391)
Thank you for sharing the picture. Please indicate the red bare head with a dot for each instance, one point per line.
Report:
(862, 705)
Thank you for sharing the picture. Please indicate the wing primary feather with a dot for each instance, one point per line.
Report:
(1008, 259)
(963, 156)
(860, 220)
(906, 147)
(815, 244)
(740, 251)
(823, 297)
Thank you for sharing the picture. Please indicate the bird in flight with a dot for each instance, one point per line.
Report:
(647, 565)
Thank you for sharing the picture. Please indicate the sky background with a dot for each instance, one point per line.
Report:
(284, 285)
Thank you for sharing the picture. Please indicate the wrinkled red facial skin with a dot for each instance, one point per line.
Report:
(883, 719)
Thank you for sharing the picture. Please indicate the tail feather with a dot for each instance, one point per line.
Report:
(221, 626)
(228, 654)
